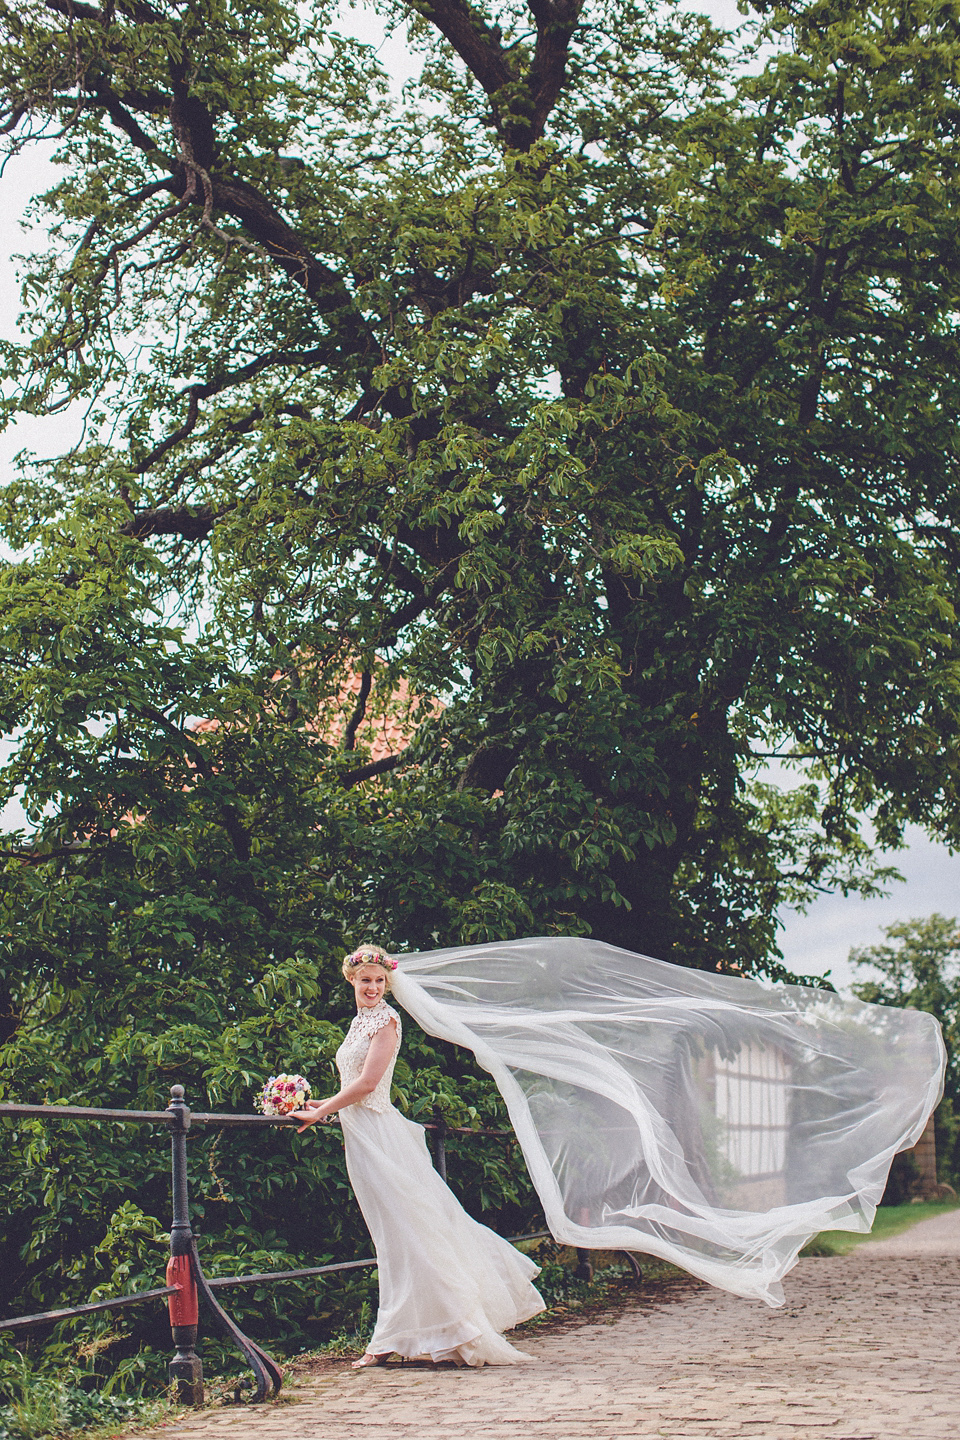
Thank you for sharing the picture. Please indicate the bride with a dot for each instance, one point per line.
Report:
(448, 1286)
(706, 1119)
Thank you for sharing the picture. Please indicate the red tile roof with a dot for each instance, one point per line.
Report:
(386, 729)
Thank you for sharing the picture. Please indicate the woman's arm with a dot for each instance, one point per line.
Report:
(381, 1052)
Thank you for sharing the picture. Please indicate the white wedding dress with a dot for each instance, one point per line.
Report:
(449, 1287)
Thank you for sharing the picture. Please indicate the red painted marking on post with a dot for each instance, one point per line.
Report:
(184, 1307)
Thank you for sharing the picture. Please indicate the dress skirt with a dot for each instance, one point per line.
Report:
(449, 1287)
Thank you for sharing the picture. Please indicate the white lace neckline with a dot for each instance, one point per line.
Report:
(372, 1018)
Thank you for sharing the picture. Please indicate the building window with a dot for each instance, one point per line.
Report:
(750, 1099)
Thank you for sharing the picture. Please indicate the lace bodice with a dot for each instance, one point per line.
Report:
(353, 1052)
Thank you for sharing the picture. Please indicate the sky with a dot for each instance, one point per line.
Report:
(817, 942)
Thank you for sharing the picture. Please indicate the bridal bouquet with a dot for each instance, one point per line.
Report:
(282, 1094)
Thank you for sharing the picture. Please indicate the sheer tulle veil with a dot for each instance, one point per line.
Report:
(706, 1119)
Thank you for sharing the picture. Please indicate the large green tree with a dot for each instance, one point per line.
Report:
(602, 387)
(590, 405)
(919, 969)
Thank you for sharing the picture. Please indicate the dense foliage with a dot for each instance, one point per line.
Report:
(919, 969)
(587, 412)
(91, 1201)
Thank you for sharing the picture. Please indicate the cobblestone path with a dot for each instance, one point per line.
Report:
(865, 1349)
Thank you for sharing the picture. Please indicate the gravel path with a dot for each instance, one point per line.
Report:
(939, 1236)
(865, 1349)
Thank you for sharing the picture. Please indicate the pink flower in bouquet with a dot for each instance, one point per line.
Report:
(282, 1094)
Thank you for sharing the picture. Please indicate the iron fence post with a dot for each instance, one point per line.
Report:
(440, 1143)
(186, 1368)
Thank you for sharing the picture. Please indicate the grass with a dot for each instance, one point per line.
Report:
(45, 1407)
(891, 1220)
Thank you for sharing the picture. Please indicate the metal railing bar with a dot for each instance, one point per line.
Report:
(185, 1277)
(22, 1322)
(219, 1282)
(222, 1282)
(90, 1112)
(463, 1129)
(83, 1112)
(269, 1374)
(213, 1118)
(228, 1119)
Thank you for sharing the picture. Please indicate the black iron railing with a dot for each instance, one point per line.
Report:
(186, 1282)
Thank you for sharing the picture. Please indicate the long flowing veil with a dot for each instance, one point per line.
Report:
(706, 1119)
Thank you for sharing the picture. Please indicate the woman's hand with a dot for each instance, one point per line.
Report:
(311, 1114)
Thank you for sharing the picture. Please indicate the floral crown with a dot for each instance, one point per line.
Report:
(370, 955)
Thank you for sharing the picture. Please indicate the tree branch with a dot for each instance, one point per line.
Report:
(368, 772)
(189, 522)
(237, 832)
(356, 719)
(193, 178)
(61, 852)
(284, 246)
(75, 10)
(209, 388)
(394, 568)
(126, 122)
(556, 23)
(475, 42)
(521, 104)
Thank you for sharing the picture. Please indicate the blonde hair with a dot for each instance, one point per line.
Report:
(368, 955)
